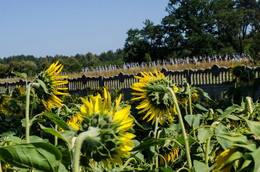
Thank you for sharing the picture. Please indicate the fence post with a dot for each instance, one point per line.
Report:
(7, 88)
(101, 81)
(188, 76)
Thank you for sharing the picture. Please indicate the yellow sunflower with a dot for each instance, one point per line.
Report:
(75, 121)
(50, 86)
(169, 156)
(113, 122)
(13, 104)
(156, 99)
(243, 75)
(222, 159)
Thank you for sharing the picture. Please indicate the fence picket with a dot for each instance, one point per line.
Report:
(212, 78)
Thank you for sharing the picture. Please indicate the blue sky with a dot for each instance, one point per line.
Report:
(70, 27)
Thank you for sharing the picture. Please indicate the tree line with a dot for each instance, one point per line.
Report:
(191, 28)
(72, 64)
(198, 27)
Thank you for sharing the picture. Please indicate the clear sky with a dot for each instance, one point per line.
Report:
(70, 27)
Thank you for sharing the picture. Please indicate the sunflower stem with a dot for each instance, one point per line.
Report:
(27, 114)
(207, 151)
(190, 105)
(56, 129)
(155, 136)
(186, 140)
(91, 133)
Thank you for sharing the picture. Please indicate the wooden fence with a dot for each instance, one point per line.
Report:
(212, 80)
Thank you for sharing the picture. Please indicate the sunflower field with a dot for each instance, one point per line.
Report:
(163, 128)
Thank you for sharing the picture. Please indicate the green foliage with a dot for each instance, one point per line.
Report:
(37, 156)
(196, 28)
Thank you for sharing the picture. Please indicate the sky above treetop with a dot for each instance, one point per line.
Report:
(66, 27)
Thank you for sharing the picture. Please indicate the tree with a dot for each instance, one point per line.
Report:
(28, 67)
(3, 70)
(188, 27)
(71, 65)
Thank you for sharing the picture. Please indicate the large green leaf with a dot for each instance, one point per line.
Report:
(256, 157)
(254, 127)
(201, 167)
(204, 134)
(57, 120)
(65, 136)
(227, 139)
(193, 120)
(38, 156)
(22, 75)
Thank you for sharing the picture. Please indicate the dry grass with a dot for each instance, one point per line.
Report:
(109, 73)
(168, 67)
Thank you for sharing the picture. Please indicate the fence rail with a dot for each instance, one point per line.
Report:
(211, 80)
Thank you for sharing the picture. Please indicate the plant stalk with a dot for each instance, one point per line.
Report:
(27, 114)
(155, 136)
(56, 129)
(91, 133)
(190, 105)
(207, 151)
(186, 140)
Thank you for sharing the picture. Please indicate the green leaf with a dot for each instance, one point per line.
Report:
(39, 156)
(35, 139)
(201, 167)
(254, 127)
(227, 112)
(22, 75)
(233, 138)
(60, 135)
(193, 120)
(227, 139)
(148, 141)
(57, 120)
(235, 156)
(43, 85)
(200, 107)
(256, 157)
(14, 139)
(137, 154)
(246, 163)
(233, 117)
(250, 147)
(204, 134)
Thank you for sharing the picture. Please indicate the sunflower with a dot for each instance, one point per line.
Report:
(75, 121)
(243, 75)
(113, 122)
(13, 104)
(169, 156)
(237, 70)
(156, 99)
(18, 92)
(222, 159)
(195, 97)
(50, 86)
